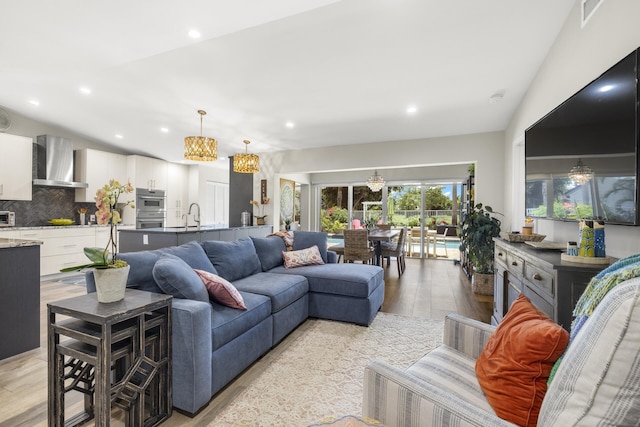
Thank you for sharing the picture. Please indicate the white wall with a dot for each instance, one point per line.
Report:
(486, 150)
(578, 56)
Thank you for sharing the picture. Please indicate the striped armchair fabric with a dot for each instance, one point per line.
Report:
(440, 389)
(597, 383)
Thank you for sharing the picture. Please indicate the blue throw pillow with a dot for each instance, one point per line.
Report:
(269, 250)
(306, 239)
(176, 278)
(233, 260)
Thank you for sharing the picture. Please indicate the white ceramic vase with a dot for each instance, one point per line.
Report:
(111, 283)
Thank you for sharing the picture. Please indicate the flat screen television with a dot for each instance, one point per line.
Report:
(598, 127)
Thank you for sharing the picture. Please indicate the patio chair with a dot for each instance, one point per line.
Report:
(395, 249)
(357, 246)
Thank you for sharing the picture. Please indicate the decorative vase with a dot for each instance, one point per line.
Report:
(260, 220)
(287, 227)
(111, 283)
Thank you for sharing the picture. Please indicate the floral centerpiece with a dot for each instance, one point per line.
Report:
(104, 260)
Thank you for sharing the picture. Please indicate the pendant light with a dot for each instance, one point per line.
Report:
(245, 162)
(375, 182)
(580, 173)
(200, 148)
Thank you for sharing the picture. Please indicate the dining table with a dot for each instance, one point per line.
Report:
(377, 236)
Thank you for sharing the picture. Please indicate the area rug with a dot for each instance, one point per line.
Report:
(320, 372)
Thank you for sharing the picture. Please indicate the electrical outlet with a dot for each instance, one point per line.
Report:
(92, 218)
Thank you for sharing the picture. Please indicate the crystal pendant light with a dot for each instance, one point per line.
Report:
(200, 148)
(375, 182)
(245, 162)
(580, 173)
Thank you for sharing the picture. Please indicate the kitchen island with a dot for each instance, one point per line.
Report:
(19, 296)
(155, 238)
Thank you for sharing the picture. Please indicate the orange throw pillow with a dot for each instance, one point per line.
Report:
(515, 364)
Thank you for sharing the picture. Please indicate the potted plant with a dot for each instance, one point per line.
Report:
(479, 228)
(110, 272)
(260, 219)
(287, 224)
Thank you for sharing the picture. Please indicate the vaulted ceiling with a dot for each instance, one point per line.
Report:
(339, 71)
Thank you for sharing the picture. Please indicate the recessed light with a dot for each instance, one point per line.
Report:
(34, 102)
(194, 34)
(85, 90)
(289, 124)
(412, 109)
(164, 130)
(496, 97)
(222, 158)
(606, 88)
(117, 135)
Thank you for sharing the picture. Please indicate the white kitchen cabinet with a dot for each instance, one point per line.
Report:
(61, 247)
(147, 172)
(177, 194)
(97, 168)
(15, 167)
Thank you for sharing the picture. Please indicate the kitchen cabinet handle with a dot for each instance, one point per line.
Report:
(70, 246)
(537, 277)
(514, 263)
(500, 254)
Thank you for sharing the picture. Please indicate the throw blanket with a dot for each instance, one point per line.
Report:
(618, 272)
(287, 237)
(600, 285)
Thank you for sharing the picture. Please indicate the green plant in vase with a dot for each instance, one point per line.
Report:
(110, 273)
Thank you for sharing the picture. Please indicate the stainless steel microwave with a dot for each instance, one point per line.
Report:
(7, 219)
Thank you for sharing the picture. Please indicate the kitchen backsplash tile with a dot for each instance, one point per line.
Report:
(47, 203)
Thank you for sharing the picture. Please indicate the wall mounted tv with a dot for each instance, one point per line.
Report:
(597, 126)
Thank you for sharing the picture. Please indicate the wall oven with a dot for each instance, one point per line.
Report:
(151, 209)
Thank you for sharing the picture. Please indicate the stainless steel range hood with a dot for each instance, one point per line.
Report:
(53, 163)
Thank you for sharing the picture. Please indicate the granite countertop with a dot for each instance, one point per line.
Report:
(15, 243)
(52, 227)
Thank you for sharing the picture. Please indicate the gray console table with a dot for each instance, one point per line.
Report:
(118, 354)
(551, 284)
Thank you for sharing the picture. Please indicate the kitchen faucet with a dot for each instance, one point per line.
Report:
(196, 219)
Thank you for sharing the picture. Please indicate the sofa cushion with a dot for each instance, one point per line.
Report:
(233, 260)
(306, 239)
(269, 250)
(309, 256)
(454, 372)
(175, 277)
(515, 364)
(281, 289)
(142, 263)
(221, 291)
(598, 381)
(228, 323)
(355, 280)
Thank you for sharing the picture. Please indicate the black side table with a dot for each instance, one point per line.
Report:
(118, 354)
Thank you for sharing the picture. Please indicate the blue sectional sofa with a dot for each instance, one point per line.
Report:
(213, 343)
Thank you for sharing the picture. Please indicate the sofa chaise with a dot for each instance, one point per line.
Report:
(213, 343)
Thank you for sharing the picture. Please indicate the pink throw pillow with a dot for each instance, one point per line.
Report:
(309, 256)
(220, 290)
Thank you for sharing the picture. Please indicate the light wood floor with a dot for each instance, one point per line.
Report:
(428, 288)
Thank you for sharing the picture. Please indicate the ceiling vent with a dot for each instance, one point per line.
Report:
(588, 8)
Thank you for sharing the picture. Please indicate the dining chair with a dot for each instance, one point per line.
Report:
(396, 249)
(444, 231)
(357, 246)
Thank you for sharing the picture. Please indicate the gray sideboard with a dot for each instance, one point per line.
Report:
(551, 284)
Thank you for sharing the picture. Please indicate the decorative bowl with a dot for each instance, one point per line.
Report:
(61, 221)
